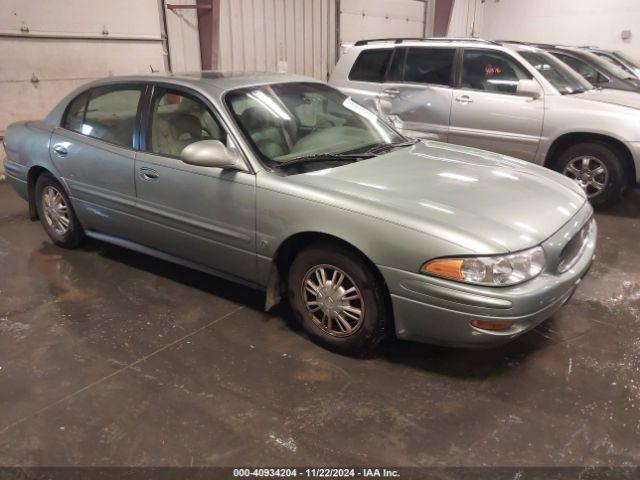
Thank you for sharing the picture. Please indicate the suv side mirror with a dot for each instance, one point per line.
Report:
(529, 88)
(211, 153)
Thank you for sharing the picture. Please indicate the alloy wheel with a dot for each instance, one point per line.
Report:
(333, 299)
(588, 172)
(55, 210)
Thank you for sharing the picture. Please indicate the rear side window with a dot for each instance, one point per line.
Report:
(429, 65)
(371, 65)
(396, 70)
(491, 71)
(111, 114)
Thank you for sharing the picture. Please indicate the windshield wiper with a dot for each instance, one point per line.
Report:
(323, 157)
(383, 147)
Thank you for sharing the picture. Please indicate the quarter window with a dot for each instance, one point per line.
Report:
(491, 72)
(178, 120)
(371, 65)
(429, 65)
(75, 113)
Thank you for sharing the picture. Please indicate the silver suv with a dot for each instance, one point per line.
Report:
(508, 98)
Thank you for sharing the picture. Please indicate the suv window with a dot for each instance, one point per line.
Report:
(178, 120)
(583, 68)
(429, 65)
(491, 71)
(371, 65)
(110, 114)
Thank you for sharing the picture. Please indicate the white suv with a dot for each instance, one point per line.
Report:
(508, 98)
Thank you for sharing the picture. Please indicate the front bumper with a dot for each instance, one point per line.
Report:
(439, 311)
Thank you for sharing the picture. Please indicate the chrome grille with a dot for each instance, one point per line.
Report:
(574, 249)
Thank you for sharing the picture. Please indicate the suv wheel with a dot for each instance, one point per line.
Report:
(56, 213)
(597, 169)
(338, 299)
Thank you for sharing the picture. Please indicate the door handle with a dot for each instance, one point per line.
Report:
(391, 92)
(60, 150)
(464, 99)
(148, 174)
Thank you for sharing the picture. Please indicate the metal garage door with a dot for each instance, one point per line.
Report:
(361, 19)
(293, 36)
(49, 48)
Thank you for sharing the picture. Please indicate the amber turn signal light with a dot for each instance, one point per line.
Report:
(491, 325)
(444, 268)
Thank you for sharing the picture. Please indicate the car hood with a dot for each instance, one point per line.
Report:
(481, 201)
(622, 98)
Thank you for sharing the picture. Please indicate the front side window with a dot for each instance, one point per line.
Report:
(371, 65)
(584, 69)
(563, 79)
(491, 71)
(429, 65)
(292, 120)
(178, 120)
(111, 114)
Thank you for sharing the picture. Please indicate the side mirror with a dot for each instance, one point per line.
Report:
(529, 88)
(211, 153)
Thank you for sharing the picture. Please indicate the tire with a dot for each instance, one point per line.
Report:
(600, 158)
(64, 233)
(360, 289)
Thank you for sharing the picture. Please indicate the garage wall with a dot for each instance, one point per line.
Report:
(50, 47)
(574, 22)
(361, 19)
(466, 18)
(292, 36)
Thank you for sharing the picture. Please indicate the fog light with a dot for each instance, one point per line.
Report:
(491, 325)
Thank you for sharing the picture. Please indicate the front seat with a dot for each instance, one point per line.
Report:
(264, 131)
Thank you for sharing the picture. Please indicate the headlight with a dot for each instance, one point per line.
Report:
(492, 271)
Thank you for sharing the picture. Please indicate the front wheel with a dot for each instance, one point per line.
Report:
(598, 170)
(338, 299)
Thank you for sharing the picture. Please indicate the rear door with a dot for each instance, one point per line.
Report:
(93, 150)
(487, 113)
(416, 95)
(201, 214)
(366, 77)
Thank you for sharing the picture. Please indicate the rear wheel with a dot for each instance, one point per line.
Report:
(597, 168)
(56, 213)
(338, 299)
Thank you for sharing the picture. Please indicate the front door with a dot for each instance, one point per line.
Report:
(488, 113)
(202, 214)
(416, 96)
(93, 151)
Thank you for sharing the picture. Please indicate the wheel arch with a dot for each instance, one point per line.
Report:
(32, 177)
(294, 244)
(567, 140)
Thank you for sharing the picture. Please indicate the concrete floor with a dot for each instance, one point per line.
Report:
(108, 357)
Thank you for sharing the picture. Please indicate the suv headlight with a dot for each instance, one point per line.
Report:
(495, 271)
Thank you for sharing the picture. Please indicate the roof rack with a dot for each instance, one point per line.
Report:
(534, 44)
(423, 39)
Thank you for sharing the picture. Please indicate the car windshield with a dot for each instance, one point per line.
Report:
(605, 65)
(560, 76)
(628, 59)
(290, 122)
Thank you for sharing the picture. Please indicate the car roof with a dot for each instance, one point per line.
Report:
(218, 80)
